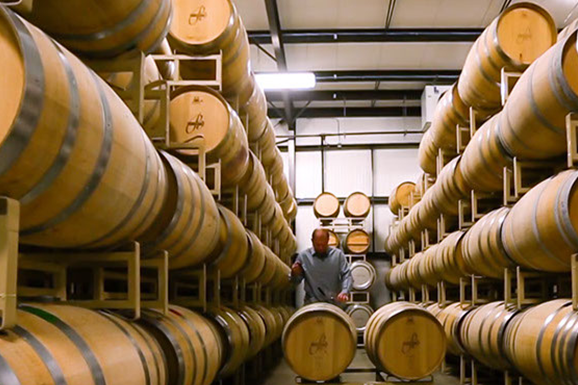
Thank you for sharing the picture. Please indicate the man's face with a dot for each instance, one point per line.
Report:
(320, 242)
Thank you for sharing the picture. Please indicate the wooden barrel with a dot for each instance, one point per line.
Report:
(267, 145)
(253, 185)
(201, 27)
(278, 178)
(357, 205)
(360, 314)
(58, 344)
(405, 341)
(357, 241)
(513, 40)
(434, 309)
(449, 113)
(482, 332)
(449, 188)
(427, 153)
(255, 113)
(451, 318)
(103, 29)
(426, 213)
(279, 321)
(400, 196)
(289, 207)
(567, 30)
(533, 122)
(541, 343)
(121, 81)
(92, 177)
(271, 325)
(326, 205)
(189, 342)
(540, 232)
(484, 159)
(281, 278)
(256, 259)
(268, 274)
(397, 277)
(449, 262)
(482, 248)
(414, 278)
(257, 329)
(319, 341)
(363, 275)
(232, 251)
(334, 240)
(189, 221)
(201, 114)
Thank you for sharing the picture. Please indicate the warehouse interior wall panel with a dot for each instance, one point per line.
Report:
(308, 175)
(394, 166)
(347, 171)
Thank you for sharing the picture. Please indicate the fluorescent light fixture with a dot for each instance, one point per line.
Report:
(286, 80)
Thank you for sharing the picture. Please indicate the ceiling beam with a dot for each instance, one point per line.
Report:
(279, 49)
(326, 95)
(331, 112)
(397, 35)
(429, 76)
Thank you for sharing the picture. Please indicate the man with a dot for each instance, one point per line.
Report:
(325, 270)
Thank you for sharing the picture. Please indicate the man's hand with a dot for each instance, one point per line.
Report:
(343, 297)
(296, 269)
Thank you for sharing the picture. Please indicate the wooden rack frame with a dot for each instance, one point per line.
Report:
(523, 175)
(476, 290)
(526, 288)
(9, 227)
(447, 294)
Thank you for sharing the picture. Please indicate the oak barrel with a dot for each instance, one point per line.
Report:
(363, 274)
(93, 178)
(357, 241)
(451, 317)
(360, 314)
(450, 112)
(334, 240)
(256, 259)
(103, 29)
(189, 221)
(405, 340)
(449, 262)
(326, 205)
(232, 251)
(357, 205)
(540, 231)
(201, 114)
(400, 196)
(427, 153)
(516, 38)
(449, 188)
(56, 344)
(319, 341)
(257, 329)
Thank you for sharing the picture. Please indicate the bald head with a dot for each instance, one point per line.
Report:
(320, 240)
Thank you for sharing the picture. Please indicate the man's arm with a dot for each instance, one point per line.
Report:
(345, 274)
(296, 275)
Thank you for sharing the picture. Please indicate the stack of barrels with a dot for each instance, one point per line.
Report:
(401, 339)
(88, 178)
(538, 232)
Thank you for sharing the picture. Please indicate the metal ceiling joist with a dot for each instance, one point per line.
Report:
(331, 112)
(395, 75)
(327, 95)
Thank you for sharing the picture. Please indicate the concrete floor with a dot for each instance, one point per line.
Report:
(283, 375)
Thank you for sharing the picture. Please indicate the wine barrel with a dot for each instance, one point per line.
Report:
(449, 188)
(289, 207)
(482, 333)
(202, 27)
(567, 30)
(232, 251)
(92, 177)
(121, 81)
(319, 341)
(405, 341)
(541, 343)
(451, 318)
(267, 276)
(278, 178)
(540, 232)
(400, 196)
(326, 205)
(363, 275)
(450, 112)
(357, 205)
(427, 153)
(271, 326)
(280, 279)
(482, 248)
(267, 145)
(426, 214)
(187, 226)
(334, 240)
(533, 122)
(256, 259)
(513, 40)
(253, 185)
(484, 158)
(414, 278)
(397, 277)
(257, 329)
(189, 342)
(103, 29)
(201, 114)
(279, 321)
(357, 241)
(56, 344)
(236, 336)
(255, 113)
(360, 314)
(449, 262)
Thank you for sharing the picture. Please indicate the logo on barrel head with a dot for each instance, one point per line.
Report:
(319, 347)
(198, 15)
(195, 124)
(411, 344)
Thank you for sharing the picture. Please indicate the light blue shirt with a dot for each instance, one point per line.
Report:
(325, 277)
